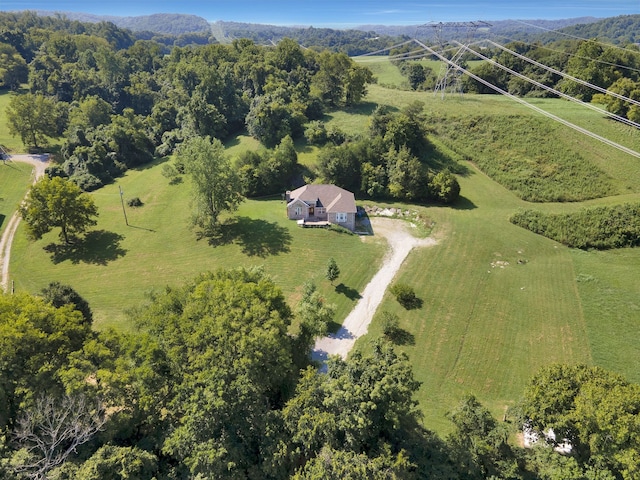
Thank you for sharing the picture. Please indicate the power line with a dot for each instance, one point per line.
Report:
(564, 52)
(565, 75)
(575, 36)
(553, 90)
(533, 107)
(383, 49)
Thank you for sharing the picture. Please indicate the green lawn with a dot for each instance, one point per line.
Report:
(14, 179)
(13, 144)
(123, 263)
(499, 302)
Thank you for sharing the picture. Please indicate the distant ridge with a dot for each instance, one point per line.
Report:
(164, 23)
(498, 27)
(620, 29)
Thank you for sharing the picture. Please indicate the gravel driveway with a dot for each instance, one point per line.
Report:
(401, 242)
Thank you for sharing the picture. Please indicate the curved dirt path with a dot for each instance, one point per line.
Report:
(39, 163)
(401, 242)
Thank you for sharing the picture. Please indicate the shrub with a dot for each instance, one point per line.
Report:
(55, 171)
(444, 187)
(340, 229)
(405, 295)
(390, 324)
(87, 182)
(599, 227)
(135, 202)
(316, 133)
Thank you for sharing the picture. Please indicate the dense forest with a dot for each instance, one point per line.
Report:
(211, 384)
(118, 102)
(212, 380)
(166, 23)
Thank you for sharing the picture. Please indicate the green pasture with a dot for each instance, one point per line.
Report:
(498, 303)
(13, 144)
(120, 264)
(385, 72)
(14, 179)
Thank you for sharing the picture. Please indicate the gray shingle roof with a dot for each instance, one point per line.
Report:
(334, 198)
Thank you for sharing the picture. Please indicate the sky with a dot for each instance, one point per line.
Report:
(342, 13)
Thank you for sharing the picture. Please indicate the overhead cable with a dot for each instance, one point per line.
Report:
(564, 75)
(553, 90)
(528, 105)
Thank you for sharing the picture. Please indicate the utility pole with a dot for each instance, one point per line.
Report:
(123, 210)
(449, 77)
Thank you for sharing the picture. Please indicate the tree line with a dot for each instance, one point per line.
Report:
(118, 101)
(212, 382)
(614, 68)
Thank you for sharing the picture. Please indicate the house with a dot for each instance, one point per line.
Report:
(321, 205)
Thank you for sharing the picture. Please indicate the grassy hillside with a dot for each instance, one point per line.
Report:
(498, 303)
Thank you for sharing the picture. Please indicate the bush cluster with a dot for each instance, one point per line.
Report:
(405, 295)
(599, 227)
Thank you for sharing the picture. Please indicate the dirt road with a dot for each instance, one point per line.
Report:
(39, 163)
(401, 242)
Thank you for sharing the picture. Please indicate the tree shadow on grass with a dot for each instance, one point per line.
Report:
(350, 293)
(256, 237)
(414, 303)
(463, 203)
(98, 247)
(400, 336)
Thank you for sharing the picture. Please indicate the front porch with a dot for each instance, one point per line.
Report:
(312, 222)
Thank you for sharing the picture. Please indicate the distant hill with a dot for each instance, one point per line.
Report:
(164, 23)
(622, 29)
(511, 29)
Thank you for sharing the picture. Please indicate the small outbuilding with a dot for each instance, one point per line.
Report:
(321, 205)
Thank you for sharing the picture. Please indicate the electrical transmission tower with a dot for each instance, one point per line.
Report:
(449, 76)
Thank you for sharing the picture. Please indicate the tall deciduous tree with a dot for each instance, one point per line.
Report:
(58, 295)
(36, 340)
(596, 410)
(231, 365)
(314, 314)
(52, 430)
(56, 202)
(216, 185)
(13, 68)
(363, 405)
(33, 117)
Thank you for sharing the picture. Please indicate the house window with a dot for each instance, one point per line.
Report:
(320, 210)
(341, 217)
(298, 210)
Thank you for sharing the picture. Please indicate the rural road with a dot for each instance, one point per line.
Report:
(401, 242)
(39, 163)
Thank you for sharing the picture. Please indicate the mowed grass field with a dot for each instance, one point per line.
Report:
(14, 180)
(121, 264)
(12, 144)
(498, 301)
